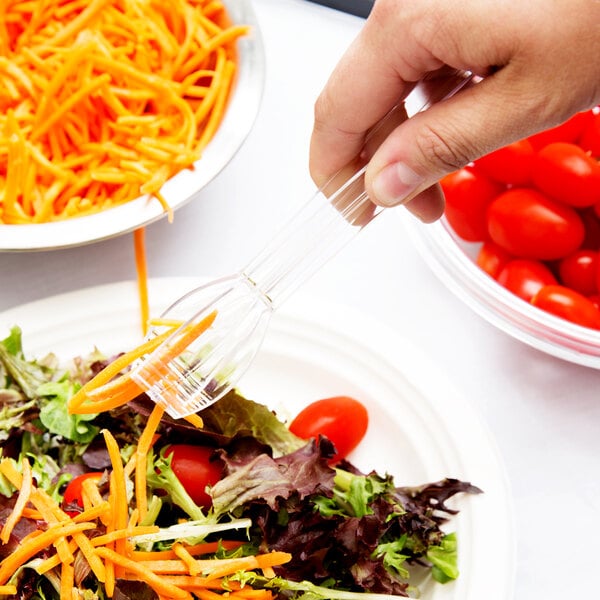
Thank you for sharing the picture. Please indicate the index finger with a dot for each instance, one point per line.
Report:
(361, 90)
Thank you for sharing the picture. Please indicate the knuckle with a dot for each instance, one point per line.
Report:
(444, 150)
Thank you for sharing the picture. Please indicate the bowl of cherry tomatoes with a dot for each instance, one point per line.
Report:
(519, 241)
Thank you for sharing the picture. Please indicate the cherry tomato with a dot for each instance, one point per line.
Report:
(528, 224)
(511, 164)
(568, 174)
(196, 470)
(569, 131)
(590, 138)
(598, 276)
(591, 222)
(595, 299)
(568, 304)
(578, 271)
(468, 194)
(525, 277)
(342, 419)
(73, 491)
(492, 258)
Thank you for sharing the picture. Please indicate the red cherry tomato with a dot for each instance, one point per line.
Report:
(595, 299)
(591, 222)
(73, 491)
(511, 164)
(568, 174)
(590, 138)
(598, 276)
(568, 304)
(578, 271)
(342, 419)
(569, 131)
(468, 194)
(528, 224)
(525, 278)
(492, 258)
(195, 470)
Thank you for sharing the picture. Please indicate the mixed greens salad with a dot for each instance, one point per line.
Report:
(298, 526)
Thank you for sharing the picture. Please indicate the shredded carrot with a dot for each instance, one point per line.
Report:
(22, 500)
(141, 452)
(195, 550)
(120, 534)
(139, 241)
(54, 560)
(8, 590)
(252, 594)
(196, 582)
(119, 505)
(92, 494)
(30, 546)
(31, 513)
(152, 579)
(67, 580)
(104, 101)
(92, 513)
(115, 367)
(215, 568)
(103, 394)
(259, 561)
(174, 348)
(182, 553)
(195, 420)
(205, 594)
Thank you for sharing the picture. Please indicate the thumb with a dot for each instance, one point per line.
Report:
(446, 137)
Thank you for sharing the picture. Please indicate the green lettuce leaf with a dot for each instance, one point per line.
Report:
(444, 559)
(55, 416)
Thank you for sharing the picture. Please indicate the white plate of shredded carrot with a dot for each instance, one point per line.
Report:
(420, 428)
(115, 114)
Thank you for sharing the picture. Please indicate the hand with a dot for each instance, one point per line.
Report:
(539, 60)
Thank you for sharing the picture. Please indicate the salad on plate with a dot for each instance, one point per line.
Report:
(113, 499)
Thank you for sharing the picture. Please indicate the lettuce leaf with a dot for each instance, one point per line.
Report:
(55, 416)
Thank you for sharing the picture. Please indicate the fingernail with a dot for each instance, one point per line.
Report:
(395, 183)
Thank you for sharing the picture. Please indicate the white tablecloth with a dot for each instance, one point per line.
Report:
(544, 413)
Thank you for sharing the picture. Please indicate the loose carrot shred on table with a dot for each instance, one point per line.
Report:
(139, 240)
(81, 79)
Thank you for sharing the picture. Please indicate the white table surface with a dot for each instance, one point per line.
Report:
(544, 413)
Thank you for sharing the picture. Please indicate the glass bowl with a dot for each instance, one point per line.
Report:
(453, 261)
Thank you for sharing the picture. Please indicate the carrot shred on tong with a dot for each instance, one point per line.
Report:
(101, 102)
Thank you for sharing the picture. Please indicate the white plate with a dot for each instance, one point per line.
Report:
(420, 429)
(236, 125)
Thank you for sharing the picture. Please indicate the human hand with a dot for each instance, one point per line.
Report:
(539, 60)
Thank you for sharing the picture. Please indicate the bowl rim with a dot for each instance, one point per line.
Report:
(242, 110)
(446, 254)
